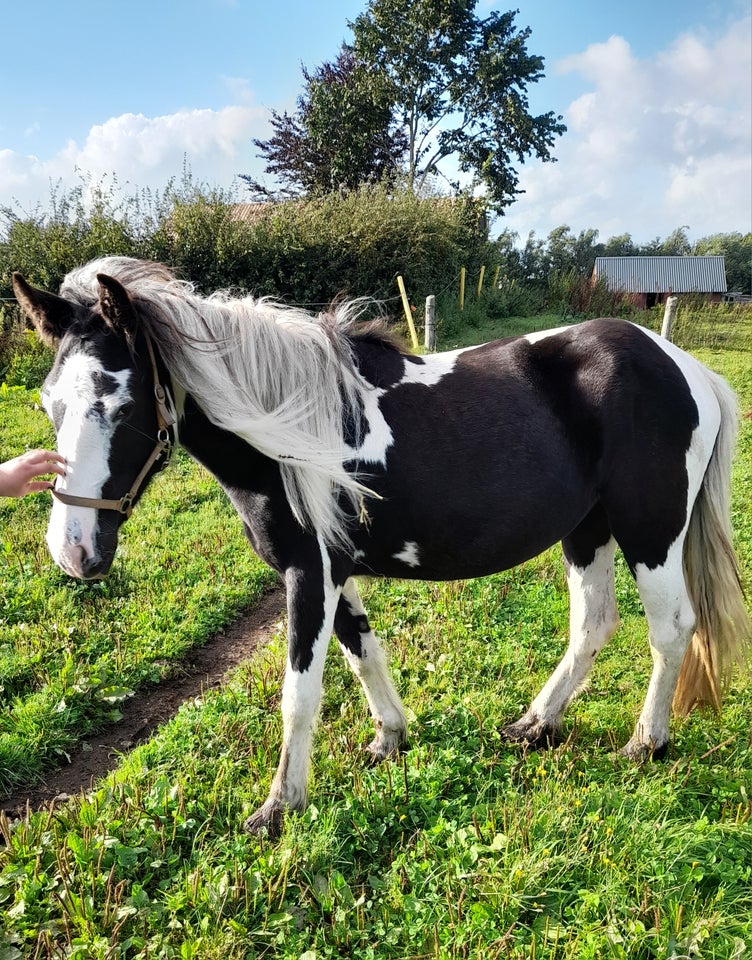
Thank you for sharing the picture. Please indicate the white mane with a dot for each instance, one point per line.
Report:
(274, 375)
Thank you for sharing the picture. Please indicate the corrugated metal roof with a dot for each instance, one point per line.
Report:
(662, 274)
(250, 212)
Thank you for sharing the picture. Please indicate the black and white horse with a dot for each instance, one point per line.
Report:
(345, 456)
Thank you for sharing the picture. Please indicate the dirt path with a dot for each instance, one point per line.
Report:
(205, 668)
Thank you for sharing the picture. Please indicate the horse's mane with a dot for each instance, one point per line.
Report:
(277, 376)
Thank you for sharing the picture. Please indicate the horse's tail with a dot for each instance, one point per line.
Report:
(722, 625)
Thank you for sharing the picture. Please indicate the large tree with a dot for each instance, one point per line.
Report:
(459, 85)
(340, 136)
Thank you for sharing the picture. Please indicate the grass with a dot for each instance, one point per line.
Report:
(465, 848)
(71, 651)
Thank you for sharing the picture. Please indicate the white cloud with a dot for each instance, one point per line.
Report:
(652, 145)
(141, 151)
(239, 89)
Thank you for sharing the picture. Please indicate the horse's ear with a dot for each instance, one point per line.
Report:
(50, 314)
(116, 306)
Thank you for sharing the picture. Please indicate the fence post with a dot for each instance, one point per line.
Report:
(430, 322)
(480, 279)
(462, 288)
(668, 316)
(408, 312)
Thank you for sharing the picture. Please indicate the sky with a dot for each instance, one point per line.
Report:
(656, 96)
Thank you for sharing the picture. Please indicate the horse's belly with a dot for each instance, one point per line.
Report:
(466, 537)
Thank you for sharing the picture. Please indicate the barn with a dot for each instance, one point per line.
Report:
(649, 280)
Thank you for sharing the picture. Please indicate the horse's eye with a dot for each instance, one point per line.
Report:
(125, 411)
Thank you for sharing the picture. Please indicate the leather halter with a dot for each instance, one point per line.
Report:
(163, 446)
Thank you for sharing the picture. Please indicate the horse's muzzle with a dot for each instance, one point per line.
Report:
(77, 563)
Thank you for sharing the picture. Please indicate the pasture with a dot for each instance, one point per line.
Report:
(465, 847)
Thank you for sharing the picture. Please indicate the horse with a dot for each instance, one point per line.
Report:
(346, 456)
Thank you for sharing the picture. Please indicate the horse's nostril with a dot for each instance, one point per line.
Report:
(79, 564)
(91, 568)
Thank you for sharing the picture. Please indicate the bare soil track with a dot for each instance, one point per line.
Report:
(205, 669)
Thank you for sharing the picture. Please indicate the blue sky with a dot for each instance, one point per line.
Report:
(656, 97)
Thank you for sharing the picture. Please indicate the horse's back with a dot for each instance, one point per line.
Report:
(485, 456)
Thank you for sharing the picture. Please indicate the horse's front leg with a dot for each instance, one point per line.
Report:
(311, 603)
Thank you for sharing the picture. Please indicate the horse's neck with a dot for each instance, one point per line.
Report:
(230, 459)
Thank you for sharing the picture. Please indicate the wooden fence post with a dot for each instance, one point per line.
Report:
(480, 279)
(408, 312)
(668, 316)
(462, 288)
(430, 322)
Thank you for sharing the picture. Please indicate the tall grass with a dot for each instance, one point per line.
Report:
(699, 325)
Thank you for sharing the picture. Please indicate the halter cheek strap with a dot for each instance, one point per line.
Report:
(163, 447)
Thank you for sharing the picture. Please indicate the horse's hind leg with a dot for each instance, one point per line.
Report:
(593, 618)
(366, 658)
(671, 621)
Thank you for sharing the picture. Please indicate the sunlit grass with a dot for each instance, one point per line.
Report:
(71, 650)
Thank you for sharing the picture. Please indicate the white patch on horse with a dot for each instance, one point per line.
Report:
(434, 368)
(538, 335)
(379, 436)
(84, 441)
(409, 554)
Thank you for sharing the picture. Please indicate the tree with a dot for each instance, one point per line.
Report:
(620, 246)
(566, 252)
(459, 85)
(736, 249)
(339, 137)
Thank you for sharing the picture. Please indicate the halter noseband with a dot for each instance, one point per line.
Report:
(165, 420)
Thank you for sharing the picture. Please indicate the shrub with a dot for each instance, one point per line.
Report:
(311, 252)
(512, 299)
(573, 294)
(28, 360)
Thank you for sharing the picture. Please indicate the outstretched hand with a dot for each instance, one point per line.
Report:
(20, 475)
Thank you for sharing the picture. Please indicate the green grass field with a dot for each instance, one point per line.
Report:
(464, 848)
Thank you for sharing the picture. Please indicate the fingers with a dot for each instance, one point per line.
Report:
(42, 461)
(47, 461)
(34, 486)
(19, 475)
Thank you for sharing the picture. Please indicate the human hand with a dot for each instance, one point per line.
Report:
(19, 475)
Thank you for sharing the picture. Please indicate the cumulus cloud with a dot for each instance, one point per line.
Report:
(652, 145)
(142, 151)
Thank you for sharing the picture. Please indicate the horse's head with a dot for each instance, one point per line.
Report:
(112, 431)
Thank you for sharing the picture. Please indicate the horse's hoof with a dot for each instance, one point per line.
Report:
(268, 819)
(643, 752)
(380, 749)
(530, 732)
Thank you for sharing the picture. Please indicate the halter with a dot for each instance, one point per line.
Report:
(165, 420)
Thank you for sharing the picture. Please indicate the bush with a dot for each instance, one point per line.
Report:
(312, 252)
(573, 294)
(512, 299)
(304, 252)
(29, 362)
